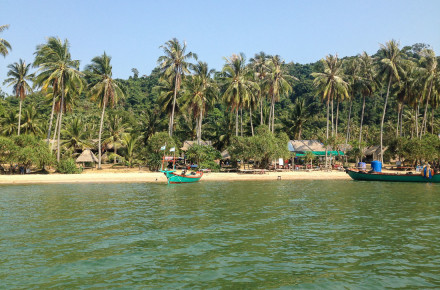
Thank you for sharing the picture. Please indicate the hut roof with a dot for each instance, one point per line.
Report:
(225, 155)
(305, 145)
(374, 150)
(87, 156)
(189, 144)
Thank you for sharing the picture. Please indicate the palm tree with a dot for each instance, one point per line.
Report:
(174, 65)
(259, 65)
(57, 69)
(389, 68)
(104, 90)
(431, 72)
(4, 45)
(30, 123)
(366, 84)
(330, 82)
(130, 143)
(278, 84)
(352, 69)
(116, 129)
(238, 83)
(9, 123)
(297, 117)
(18, 78)
(75, 135)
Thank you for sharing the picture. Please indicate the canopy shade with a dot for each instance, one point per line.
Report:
(322, 153)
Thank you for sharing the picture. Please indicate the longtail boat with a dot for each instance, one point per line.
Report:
(173, 176)
(381, 176)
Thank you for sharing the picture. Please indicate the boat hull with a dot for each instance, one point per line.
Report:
(174, 177)
(360, 175)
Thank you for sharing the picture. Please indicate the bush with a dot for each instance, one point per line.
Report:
(68, 166)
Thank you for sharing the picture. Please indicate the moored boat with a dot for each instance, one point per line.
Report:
(174, 177)
(396, 177)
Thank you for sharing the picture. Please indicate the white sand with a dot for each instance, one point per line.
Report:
(109, 177)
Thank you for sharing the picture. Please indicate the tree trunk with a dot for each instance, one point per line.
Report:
(100, 133)
(51, 120)
(401, 120)
(362, 121)
(55, 132)
(337, 117)
(19, 118)
(417, 120)
(252, 127)
(61, 121)
(236, 122)
(115, 152)
(398, 117)
(241, 121)
(273, 115)
(333, 130)
(270, 115)
(348, 122)
(383, 119)
(328, 113)
(261, 111)
(432, 120)
(425, 120)
(171, 126)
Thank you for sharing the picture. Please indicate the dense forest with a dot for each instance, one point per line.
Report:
(252, 107)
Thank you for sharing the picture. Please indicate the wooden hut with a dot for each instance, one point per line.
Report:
(87, 156)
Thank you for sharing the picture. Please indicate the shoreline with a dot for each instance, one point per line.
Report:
(157, 177)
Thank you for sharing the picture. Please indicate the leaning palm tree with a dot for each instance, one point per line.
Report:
(4, 45)
(389, 69)
(431, 73)
(19, 77)
(238, 84)
(278, 85)
(103, 89)
(330, 82)
(174, 64)
(57, 69)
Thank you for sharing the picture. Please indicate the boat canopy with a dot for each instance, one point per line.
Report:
(321, 153)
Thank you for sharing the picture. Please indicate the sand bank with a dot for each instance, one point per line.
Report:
(109, 177)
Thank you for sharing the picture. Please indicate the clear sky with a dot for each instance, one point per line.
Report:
(298, 30)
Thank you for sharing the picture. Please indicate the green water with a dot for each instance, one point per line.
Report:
(279, 234)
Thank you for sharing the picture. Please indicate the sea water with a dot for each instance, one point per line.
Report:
(277, 234)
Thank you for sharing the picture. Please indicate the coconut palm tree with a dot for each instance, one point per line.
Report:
(297, 117)
(116, 128)
(30, 123)
(130, 142)
(104, 90)
(278, 85)
(75, 135)
(4, 45)
(238, 84)
(174, 64)
(389, 69)
(259, 65)
(352, 70)
(367, 84)
(431, 73)
(9, 123)
(330, 82)
(19, 77)
(59, 70)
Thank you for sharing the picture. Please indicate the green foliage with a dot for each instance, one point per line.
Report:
(153, 153)
(67, 166)
(204, 156)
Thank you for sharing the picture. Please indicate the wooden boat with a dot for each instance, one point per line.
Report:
(380, 176)
(174, 177)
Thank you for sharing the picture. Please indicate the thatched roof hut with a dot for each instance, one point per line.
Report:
(189, 144)
(87, 156)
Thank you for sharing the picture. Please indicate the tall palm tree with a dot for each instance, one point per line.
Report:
(389, 69)
(278, 85)
(116, 129)
(297, 117)
(174, 64)
(431, 73)
(366, 84)
(19, 77)
(352, 70)
(259, 65)
(75, 135)
(4, 45)
(330, 82)
(30, 123)
(59, 70)
(238, 84)
(104, 90)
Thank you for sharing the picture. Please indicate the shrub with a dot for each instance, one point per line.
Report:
(68, 166)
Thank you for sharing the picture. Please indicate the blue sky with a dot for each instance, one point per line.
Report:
(132, 31)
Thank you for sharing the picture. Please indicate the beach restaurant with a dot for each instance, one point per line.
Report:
(301, 147)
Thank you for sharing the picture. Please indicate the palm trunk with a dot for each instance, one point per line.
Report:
(261, 111)
(114, 147)
(270, 115)
(417, 121)
(425, 119)
(328, 113)
(432, 120)
(337, 117)
(398, 117)
(383, 119)
(236, 122)
(273, 115)
(333, 130)
(61, 121)
(348, 122)
(241, 121)
(171, 126)
(100, 133)
(252, 127)
(362, 120)
(51, 120)
(401, 120)
(55, 132)
(200, 125)
(19, 118)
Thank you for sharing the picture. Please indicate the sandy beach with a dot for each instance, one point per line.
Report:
(140, 176)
